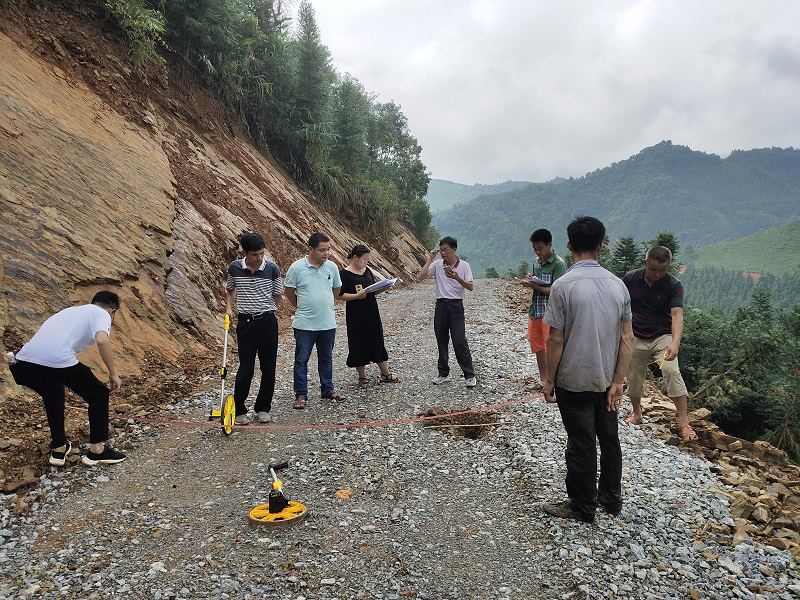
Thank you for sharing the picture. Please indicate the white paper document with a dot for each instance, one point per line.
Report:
(383, 284)
(536, 280)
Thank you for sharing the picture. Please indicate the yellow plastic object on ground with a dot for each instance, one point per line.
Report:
(293, 513)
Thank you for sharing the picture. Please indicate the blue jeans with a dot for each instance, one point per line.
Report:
(304, 343)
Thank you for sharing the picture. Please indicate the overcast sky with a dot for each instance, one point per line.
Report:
(533, 89)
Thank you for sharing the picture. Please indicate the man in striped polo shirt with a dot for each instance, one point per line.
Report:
(255, 283)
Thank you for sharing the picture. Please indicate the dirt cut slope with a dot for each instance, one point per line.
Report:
(133, 180)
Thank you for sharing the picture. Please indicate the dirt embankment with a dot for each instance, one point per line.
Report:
(133, 180)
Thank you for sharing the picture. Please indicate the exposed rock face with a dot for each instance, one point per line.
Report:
(764, 489)
(109, 180)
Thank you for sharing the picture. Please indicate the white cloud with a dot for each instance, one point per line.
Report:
(533, 90)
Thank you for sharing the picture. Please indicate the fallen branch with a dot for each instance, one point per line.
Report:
(718, 377)
(468, 425)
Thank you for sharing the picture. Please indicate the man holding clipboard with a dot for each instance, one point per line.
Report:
(547, 267)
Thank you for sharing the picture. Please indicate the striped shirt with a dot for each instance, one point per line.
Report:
(254, 291)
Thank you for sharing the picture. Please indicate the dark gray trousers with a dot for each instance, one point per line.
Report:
(448, 321)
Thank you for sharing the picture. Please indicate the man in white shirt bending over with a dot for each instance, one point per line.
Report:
(47, 363)
(452, 276)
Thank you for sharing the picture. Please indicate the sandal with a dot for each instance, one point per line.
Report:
(333, 395)
(299, 402)
(363, 382)
(390, 378)
(687, 433)
(633, 419)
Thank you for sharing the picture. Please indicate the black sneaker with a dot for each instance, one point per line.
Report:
(565, 511)
(59, 459)
(107, 457)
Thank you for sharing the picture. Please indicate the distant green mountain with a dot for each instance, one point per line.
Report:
(700, 197)
(775, 251)
(443, 194)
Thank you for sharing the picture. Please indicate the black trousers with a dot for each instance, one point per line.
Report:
(49, 383)
(448, 321)
(256, 337)
(586, 418)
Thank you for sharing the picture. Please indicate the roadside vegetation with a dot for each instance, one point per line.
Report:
(740, 359)
(277, 83)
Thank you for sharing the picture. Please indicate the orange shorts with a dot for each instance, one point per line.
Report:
(538, 331)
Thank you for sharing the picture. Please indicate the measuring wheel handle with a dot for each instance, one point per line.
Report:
(279, 511)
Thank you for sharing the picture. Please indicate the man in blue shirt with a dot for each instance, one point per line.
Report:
(311, 285)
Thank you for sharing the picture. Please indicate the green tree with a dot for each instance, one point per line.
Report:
(522, 268)
(313, 79)
(491, 273)
(395, 160)
(668, 240)
(355, 154)
(625, 256)
(351, 123)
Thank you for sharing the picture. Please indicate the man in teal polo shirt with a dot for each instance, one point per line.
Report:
(548, 267)
(311, 284)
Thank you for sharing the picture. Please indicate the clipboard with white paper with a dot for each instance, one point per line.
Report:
(383, 284)
(536, 280)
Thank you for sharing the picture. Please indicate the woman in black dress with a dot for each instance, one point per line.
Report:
(364, 328)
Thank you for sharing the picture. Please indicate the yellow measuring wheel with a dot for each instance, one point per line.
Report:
(293, 513)
(278, 512)
(228, 415)
(225, 411)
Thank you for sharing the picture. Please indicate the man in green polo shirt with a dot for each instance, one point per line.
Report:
(548, 267)
(311, 284)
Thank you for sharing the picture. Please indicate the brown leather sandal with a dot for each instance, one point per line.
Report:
(364, 382)
(299, 402)
(334, 395)
(390, 378)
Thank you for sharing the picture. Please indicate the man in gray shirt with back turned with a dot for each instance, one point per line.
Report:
(588, 354)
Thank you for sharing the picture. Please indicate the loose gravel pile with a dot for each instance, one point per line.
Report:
(426, 512)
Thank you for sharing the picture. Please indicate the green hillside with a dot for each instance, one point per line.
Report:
(700, 197)
(775, 251)
(443, 194)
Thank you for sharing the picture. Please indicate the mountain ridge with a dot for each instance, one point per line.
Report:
(700, 197)
(775, 251)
